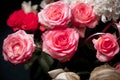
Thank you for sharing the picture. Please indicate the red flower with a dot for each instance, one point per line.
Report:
(30, 22)
(15, 19)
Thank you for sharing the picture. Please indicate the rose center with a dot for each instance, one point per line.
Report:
(83, 11)
(16, 48)
(107, 43)
(54, 13)
(61, 40)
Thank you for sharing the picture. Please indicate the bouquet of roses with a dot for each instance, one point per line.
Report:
(66, 34)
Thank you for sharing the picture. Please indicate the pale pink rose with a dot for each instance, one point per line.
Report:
(18, 47)
(83, 15)
(55, 14)
(60, 44)
(106, 46)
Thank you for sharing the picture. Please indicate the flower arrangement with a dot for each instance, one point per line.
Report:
(67, 39)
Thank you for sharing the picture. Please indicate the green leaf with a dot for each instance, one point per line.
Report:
(30, 62)
(45, 61)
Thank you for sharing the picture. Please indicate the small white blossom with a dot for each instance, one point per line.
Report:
(27, 7)
(107, 9)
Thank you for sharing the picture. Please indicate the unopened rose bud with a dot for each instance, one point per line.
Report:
(60, 74)
(104, 72)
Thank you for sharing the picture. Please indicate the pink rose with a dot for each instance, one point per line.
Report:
(107, 47)
(30, 22)
(55, 14)
(83, 15)
(60, 44)
(18, 47)
(15, 19)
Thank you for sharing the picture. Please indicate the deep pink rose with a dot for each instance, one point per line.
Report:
(107, 47)
(18, 47)
(30, 22)
(15, 19)
(60, 44)
(55, 14)
(83, 15)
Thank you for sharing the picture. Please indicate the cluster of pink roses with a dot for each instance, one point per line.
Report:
(60, 41)
(81, 15)
(64, 25)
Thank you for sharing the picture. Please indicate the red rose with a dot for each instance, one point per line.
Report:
(83, 14)
(106, 46)
(60, 44)
(15, 19)
(55, 14)
(30, 22)
(18, 47)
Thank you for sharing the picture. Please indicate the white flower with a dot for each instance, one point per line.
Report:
(107, 9)
(27, 7)
(60, 74)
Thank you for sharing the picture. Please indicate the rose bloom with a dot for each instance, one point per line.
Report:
(30, 22)
(55, 14)
(60, 44)
(83, 15)
(107, 47)
(18, 47)
(15, 19)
